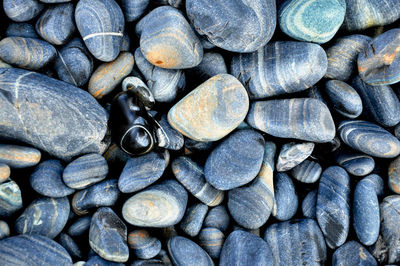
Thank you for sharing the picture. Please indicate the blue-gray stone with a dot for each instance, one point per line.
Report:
(390, 224)
(10, 198)
(309, 204)
(211, 240)
(211, 65)
(80, 226)
(99, 261)
(193, 219)
(172, 139)
(379, 250)
(144, 246)
(355, 163)
(22, 29)
(292, 154)
(217, 217)
(307, 172)
(4, 230)
(185, 252)
(22, 10)
(134, 9)
(352, 253)
(286, 200)
(377, 183)
(70, 245)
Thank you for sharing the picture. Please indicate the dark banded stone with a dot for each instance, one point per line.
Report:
(144, 246)
(22, 10)
(307, 172)
(357, 164)
(19, 156)
(217, 217)
(134, 9)
(286, 200)
(10, 198)
(309, 204)
(211, 240)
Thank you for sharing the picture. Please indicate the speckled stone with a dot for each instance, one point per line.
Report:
(342, 56)
(379, 250)
(309, 204)
(352, 253)
(357, 164)
(70, 246)
(10, 198)
(344, 99)
(286, 200)
(307, 172)
(22, 10)
(160, 205)
(211, 240)
(21, 30)
(101, 25)
(134, 9)
(237, 26)
(280, 68)
(217, 217)
(211, 65)
(394, 175)
(333, 205)
(390, 224)
(186, 252)
(292, 154)
(144, 246)
(192, 221)
(46, 180)
(4, 172)
(108, 236)
(311, 20)
(80, 226)
(26, 250)
(4, 230)
(369, 138)
(19, 156)
(308, 119)
(172, 140)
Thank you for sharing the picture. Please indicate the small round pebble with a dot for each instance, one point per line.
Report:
(19, 156)
(357, 164)
(352, 253)
(307, 172)
(292, 154)
(185, 252)
(144, 246)
(192, 221)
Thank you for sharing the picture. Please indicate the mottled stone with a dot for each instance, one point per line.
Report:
(10, 198)
(193, 219)
(217, 217)
(357, 164)
(307, 172)
(21, 30)
(4, 230)
(344, 99)
(22, 10)
(390, 224)
(352, 253)
(379, 250)
(19, 156)
(394, 175)
(309, 204)
(286, 200)
(211, 240)
(70, 246)
(4, 172)
(185, 252)
(144, 246)
(211, 65)
(80, 226)
(292, 154)
(134, 9)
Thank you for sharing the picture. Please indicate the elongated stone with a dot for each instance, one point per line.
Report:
(80, 226)
(70, 246)
(394, 175)
(10, 198)
(144, 246)
(286, 200)
(19, 156)
(227, 105)
(185, 252)
(292, 154)
(352, 253)
(160, 205)
(4, 230)
(22, 29)
(357, 164)
(22, 10)
(300, 118)
(211, 240)
(101, 25)
(280, 68)
(217, 217)
(193, 219)
(307, 172)
(369, 138)
(309, 204)
(390, 223)
(333, 205)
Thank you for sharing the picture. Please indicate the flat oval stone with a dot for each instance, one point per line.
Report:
(80, 226)
(108, 236)
(227, 105)
(85, 171)
(333, 205)
(172, 140)
(160, 205)
(19, 156)
(4, 172)
(342, 55)
(134, 9)
(292, 154)
(394, 175)
(236, 160)
(10, 198)
(344, 98)
(307, 172)
(101, 25)
(299, 118)
(144, 246)
(357, 164)
(22, 10)
(369, 138)
(217, 217)
(311, 20)
(237, 26)
(168, 41)
(211, 240)
(21, 30)
(280, 68)
(54, 116)
(46, 180)
(303, 236)
(352, 253)
(193, 219)
(185, 252)
(28, 250)
(142, 171)
(70, 246)
(211, 65)
(390, 224)
(4, 230)
(108, 75)
(309, 204)
(286, 200)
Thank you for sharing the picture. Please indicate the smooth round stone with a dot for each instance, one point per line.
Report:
(85, 171)
(160, 205)
(243, 248)
(108, 75)
(57, 24)
(380, 102)
(46, 180)
(363, 14)
(165, 84)
(4, 230)
(144, 246)
(344, 98)
(286, 200)
(172, 140)
(366, 218)
(305, 239)
(394, 175)
(168, 41)
(142, 171)
(333, 205)
(307, 172)
(52, 115)
(103, 194)
(134, 9)
(309, 204)
(22, 10)
(235, 161)
(10, 198)
(80, 226)
(292, 154)
(211, 240)
(25, 30)
(211, 65)
(280, 68)
(98, 261)
(193, 219)
(342, 56)
(26, 250)
(4, 172)
(352, 253)
(357, 164)
(227, 105)
(390, 224)
(70, 245)
(191, 176)
(186, 252)
(311, 20)
(108, 236)
(19, 156)
(101, 25)
(217, 217)
(299, 118)
(369, 138)
(236, 26)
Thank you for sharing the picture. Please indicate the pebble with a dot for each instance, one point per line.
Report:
(355, 163)
(235, 161)
(211, 240)
(293, 154)
(25, 250)
(394, 175)
(109, 75)
(211, 65)
(142, 171)
(217, 217)
(344, 99)
(227, 105)
(352, 253)
(21, 29)
(22, 10)
(134, 9)
(160, 205)
(369, 138)
(144, 246)
(98, 261)
(4, 230)
(192, 221)
(333, 205)
(299, 118)
(379, 250)
(80, 226)
(390, 224)
(19, 156)
(307, 172)
(377, 183)
(183, 251)
(46, 180)
(10, 198)
(239, 26)
(70, 246)
(305, 239)
(280, 68)
(4, 172)
(108, 236)
(311, 20)
(101, 25)
(173, 140)
(85, 171)
(309, 204)
(168, 41)
(286, 200)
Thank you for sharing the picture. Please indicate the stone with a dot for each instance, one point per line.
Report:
(80, 226)
(211, 240)
(173, 139)
(99, 261)
(10, 198)
(211, 65)
(186, 252)
(377, 183)
(144, 246)
(217, 217)
(390, 222)
(70, 246)
(4, 230)
(286, 200)
(355, 163)
(4, 172)
(379, 250)
(21, 29)
(309, 204)
(394, 175)
(16, 156)
(192, 221)
(22, 10)
(352, 253)
(293, 154)
(344, 98)
(134, 9)
(307, 172)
